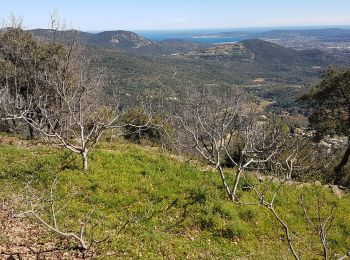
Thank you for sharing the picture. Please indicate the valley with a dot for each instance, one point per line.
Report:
(139, 137)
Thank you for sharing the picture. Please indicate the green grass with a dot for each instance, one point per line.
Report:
(174, 210)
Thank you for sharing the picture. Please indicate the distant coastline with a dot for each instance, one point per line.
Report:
(221, 35)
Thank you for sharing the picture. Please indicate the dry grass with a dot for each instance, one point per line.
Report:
(23, 238)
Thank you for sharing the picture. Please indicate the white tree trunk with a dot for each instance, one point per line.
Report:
(235, 185)
(85, 160)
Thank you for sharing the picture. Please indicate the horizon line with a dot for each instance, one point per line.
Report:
(219, 29)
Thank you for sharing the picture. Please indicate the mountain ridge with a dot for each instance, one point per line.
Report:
(121, 39)
(115, 38)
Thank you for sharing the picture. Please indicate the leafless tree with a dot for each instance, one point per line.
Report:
(57, 90)
(319, 221)
(268, 203)
(224, 129)
(80, 237)
(281, 168)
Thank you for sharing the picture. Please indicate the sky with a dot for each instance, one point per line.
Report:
(98, 15)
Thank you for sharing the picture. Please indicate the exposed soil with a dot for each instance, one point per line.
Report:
(23, 238)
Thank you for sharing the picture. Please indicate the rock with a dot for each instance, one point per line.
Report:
(317, 183)
(336, 191)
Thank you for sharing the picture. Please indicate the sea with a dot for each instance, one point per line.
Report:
(207, 35)
(196, 35)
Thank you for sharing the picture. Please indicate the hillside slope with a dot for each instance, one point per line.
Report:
(152, 206)
(267, 52)
(264, 53)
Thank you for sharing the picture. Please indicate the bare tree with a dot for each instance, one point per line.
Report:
(319, 221)
(268, 202)
(84, 243)
(57, 90)
(224, 129)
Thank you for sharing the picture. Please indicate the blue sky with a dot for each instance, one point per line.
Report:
(179, 14)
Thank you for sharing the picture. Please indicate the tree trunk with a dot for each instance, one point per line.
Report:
(235, 185)
(338, 171)
(31, 134)
(85, 160)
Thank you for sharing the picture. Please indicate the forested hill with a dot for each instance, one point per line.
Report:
(132, 42)
(119, 38)
(171, 66)
(328, 34)
(125, 40)
(267, 52)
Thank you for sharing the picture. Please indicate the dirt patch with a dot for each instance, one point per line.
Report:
(22, 238)
(6, 139)
(258, 80)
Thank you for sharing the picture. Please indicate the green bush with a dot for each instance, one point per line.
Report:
(139, 127)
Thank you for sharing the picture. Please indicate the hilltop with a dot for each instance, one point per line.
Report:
(124, 40)
(119, 38)
(266, 53)
(331, 40)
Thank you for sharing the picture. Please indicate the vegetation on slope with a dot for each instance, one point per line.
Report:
(286, 73)
(152, 205)
(147, 203)
(282, 68)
